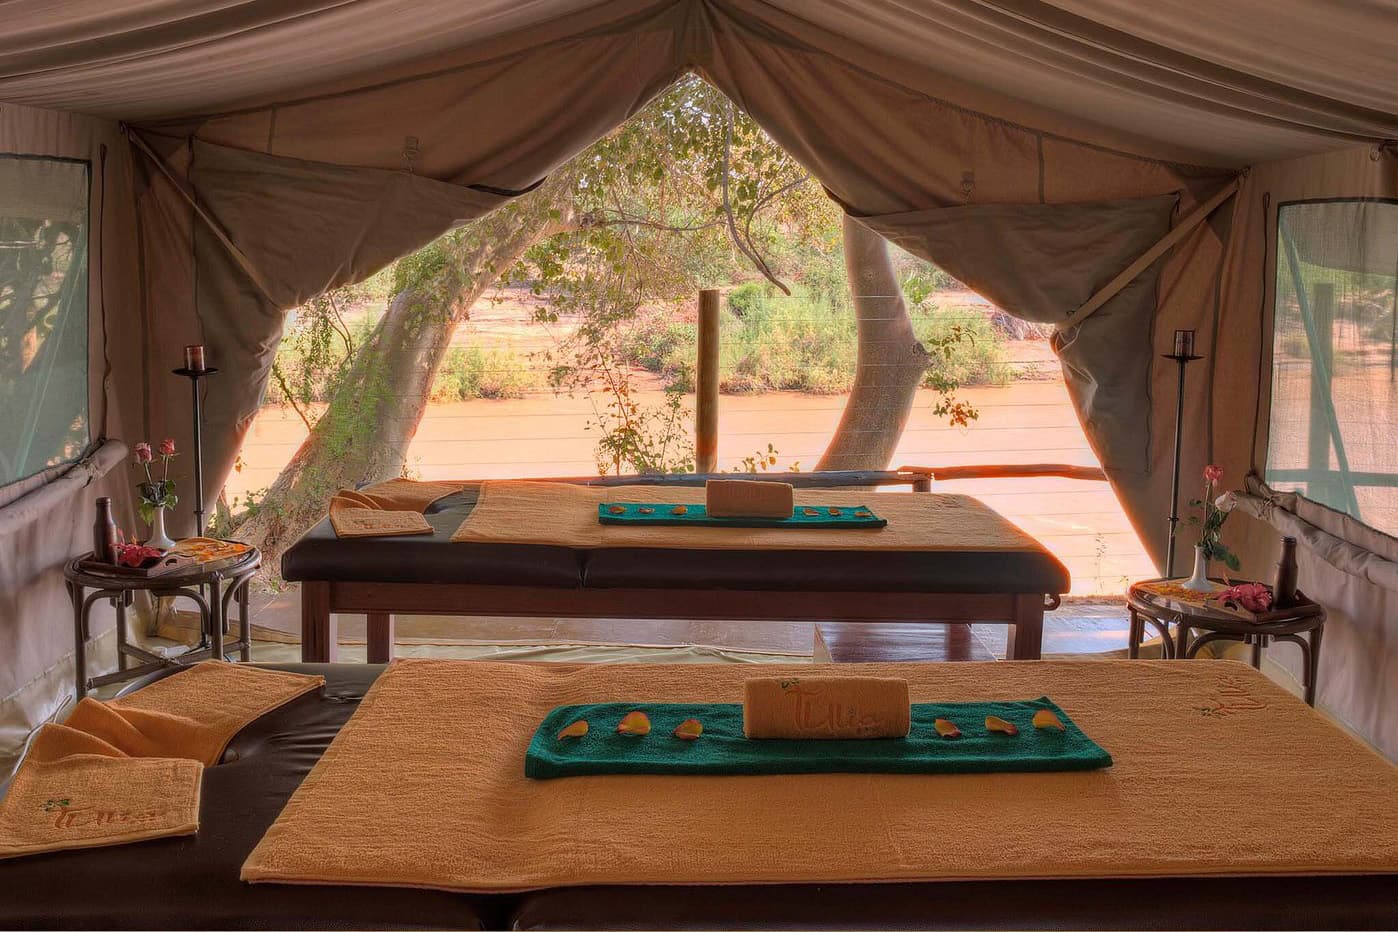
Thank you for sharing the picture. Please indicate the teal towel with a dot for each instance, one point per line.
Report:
(697, 516)
(723, 751)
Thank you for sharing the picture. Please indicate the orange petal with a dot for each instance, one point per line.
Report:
(634, 723)
(575, 730)
(809, 512)
(996, 723)
(946, 729)
(689, 729)
(646, 510)
(834, 511)
(617, 509)
(1044, 718)
(678, 510)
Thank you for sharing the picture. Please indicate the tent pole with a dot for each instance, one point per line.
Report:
(1184, 356)
(706, 385)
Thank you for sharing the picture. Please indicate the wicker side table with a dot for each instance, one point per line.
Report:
(1302, 624)
(211, 588)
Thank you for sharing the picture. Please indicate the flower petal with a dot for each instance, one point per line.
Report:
(634, 723)
(996, 723)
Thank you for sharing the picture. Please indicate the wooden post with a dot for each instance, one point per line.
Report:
(379, 632)
(1027, 631)
(706, 384)
(1321, 487)
(318, 624)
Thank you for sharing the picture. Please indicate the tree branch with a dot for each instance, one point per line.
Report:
(290, 396)
(745, 248)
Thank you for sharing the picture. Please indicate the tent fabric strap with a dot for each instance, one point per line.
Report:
(1144, 261)
(1262, 502)
(233, 251)
(54, 494)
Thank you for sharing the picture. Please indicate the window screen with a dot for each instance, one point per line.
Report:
(43, 314)
(1334, 428)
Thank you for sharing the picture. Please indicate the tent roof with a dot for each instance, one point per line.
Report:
(1236, 83)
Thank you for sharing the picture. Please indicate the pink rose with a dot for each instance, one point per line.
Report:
(143, 454)
(1213, 473)
(1252, 596)
(167, 447)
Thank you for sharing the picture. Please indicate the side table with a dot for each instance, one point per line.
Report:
(211, 588)
(1288, 624)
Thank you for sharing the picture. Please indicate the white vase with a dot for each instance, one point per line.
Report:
(158, 538)
(1199, 582)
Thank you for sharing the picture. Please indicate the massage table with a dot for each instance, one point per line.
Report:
(192, 882)
(381, 576)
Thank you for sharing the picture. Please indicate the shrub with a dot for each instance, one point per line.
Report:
(808, 342)
(469, 372)
(667, 347)
(976, 349)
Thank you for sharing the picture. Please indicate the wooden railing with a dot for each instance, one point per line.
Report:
(919, 477)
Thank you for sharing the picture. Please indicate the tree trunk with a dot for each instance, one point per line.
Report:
(376, 405)
(890, 360)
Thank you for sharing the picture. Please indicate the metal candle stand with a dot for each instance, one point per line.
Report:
(194, 375)
(1184, 355)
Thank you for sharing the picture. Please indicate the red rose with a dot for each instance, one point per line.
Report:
(143, 454)
(167, 447)
(1213, 473)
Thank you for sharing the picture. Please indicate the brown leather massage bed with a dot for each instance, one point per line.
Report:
(192, 882)
(378, 576)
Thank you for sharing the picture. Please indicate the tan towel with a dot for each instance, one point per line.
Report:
(388, 509)
(130, 770)
(518, 511)
(747, 498)
(394, 801)
(826, 707)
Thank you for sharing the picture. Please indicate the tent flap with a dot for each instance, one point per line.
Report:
(1040, 262)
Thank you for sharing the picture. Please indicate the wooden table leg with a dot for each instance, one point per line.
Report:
(1136, 633)
(318, 634)
(380, 630)
(215, 619)
(79, 640)
(245, 622)
(1182, 639)
(1027, 633)
(1313, 664)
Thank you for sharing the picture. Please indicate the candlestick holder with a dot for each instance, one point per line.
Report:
(1184, 355)
(194, 376)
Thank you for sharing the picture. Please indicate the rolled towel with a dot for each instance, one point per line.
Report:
(826, 707)
(747, 498)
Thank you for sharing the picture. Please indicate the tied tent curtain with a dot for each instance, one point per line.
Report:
(1040, 262)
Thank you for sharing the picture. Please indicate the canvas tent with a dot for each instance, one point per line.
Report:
(246, 156)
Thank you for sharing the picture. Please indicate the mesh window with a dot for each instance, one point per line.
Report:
(1335, 357)
(43, 314)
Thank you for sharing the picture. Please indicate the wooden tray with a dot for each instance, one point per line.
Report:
(169, 563)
